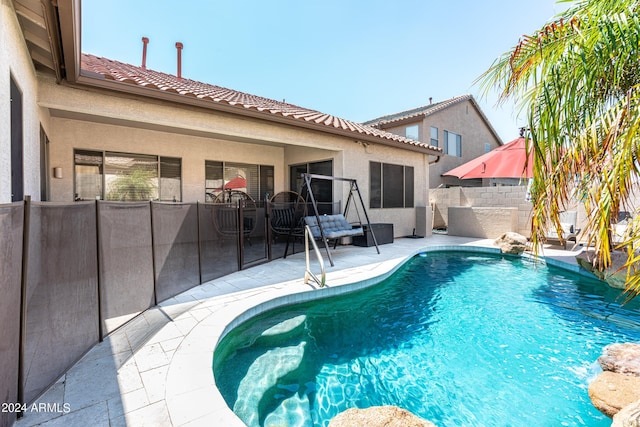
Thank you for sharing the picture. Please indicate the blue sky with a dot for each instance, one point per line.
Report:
(354, 59)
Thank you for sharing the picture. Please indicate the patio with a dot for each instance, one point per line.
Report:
(157, 369)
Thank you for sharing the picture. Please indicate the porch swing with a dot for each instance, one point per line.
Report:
(336, 226)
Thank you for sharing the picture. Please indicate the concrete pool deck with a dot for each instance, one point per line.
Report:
(157, 369)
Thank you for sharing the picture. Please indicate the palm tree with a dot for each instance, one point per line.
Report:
(578, 81)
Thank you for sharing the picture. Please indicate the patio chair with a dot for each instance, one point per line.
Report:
(287, 213)
(226, 217)
(620, 231)
(569, 232)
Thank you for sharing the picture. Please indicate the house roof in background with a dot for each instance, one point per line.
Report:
(424, 111)
(208, 95)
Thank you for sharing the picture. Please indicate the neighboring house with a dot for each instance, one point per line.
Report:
(78, 125)
(457, 126)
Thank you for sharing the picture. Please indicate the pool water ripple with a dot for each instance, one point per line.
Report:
(456, 338)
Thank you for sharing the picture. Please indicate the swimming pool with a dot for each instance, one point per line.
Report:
(455, 337)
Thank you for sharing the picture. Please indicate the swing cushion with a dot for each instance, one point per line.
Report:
(334, 226)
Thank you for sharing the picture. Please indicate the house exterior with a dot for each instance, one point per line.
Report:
(79, 127)
(457, 126)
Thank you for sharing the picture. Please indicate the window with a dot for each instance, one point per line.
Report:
(412, 132)
(452, 144)
(434, 136)
(126, 177)
(487, 147)
(322, 189)
(255, 180)
(170, 179)
(44, 166)
(390, 186)
(17, 153)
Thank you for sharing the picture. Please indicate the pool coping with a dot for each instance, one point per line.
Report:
(169, 380)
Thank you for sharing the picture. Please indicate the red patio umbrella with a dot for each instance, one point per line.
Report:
(507, 161)
(236, 183)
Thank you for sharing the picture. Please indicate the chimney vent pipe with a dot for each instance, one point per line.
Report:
(145, 42)
(179, 46)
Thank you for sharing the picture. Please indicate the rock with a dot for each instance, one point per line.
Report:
(611, 391)
(511, 243)
(623, 358)
(615, 275)
(378, 416)
(629, 416)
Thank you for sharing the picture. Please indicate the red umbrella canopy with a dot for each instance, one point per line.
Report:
(507, 161)
(236, 183)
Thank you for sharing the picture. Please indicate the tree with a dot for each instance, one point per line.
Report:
(577, 79)
(134, 185)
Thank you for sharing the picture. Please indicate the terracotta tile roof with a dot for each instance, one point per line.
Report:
(427, 110)
(419, 112)
(108, 69)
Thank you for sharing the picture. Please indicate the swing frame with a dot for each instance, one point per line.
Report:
(353, 187)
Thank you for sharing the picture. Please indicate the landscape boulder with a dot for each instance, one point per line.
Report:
(511, 243)
(615, 275)
(378, 416)
(623, 358)
(629, 416)
(611, 391)
(616, 391)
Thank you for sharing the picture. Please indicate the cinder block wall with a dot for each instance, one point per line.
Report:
(492, 197)
(484, 222)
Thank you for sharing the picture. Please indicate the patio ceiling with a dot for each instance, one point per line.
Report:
(40, 32)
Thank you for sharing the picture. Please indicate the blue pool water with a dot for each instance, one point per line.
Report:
(458, 338)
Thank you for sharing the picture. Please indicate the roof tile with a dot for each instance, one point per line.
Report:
(155, 80)
(424, 111)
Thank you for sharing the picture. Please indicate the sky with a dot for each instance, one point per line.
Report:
(354, 59)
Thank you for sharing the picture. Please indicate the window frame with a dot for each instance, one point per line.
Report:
(264, 178)
(322, 189)
(102, 169)
(458, 144)
(383, 179)
(434, 141)
(408, 131)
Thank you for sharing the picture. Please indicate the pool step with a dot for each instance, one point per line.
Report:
(263, 375)
(292, 412)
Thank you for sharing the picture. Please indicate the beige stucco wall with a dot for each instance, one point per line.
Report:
(16, 63)
(462, 118)
(70, 134)
(95, 119)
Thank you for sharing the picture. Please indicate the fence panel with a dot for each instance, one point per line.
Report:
(11, 226)
(218, 240)
(254, 242)
(62, 291)
(126, 262)
(175, 244)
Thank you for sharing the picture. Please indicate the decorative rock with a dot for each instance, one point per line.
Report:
(621, 358)
(511, 243)
(629, 416)
(610, 392)
(615, 275)
(378, 416)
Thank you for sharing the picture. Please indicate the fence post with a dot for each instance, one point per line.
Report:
(23, 300)
(153, 257)
(240, 230)
(98, 273)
